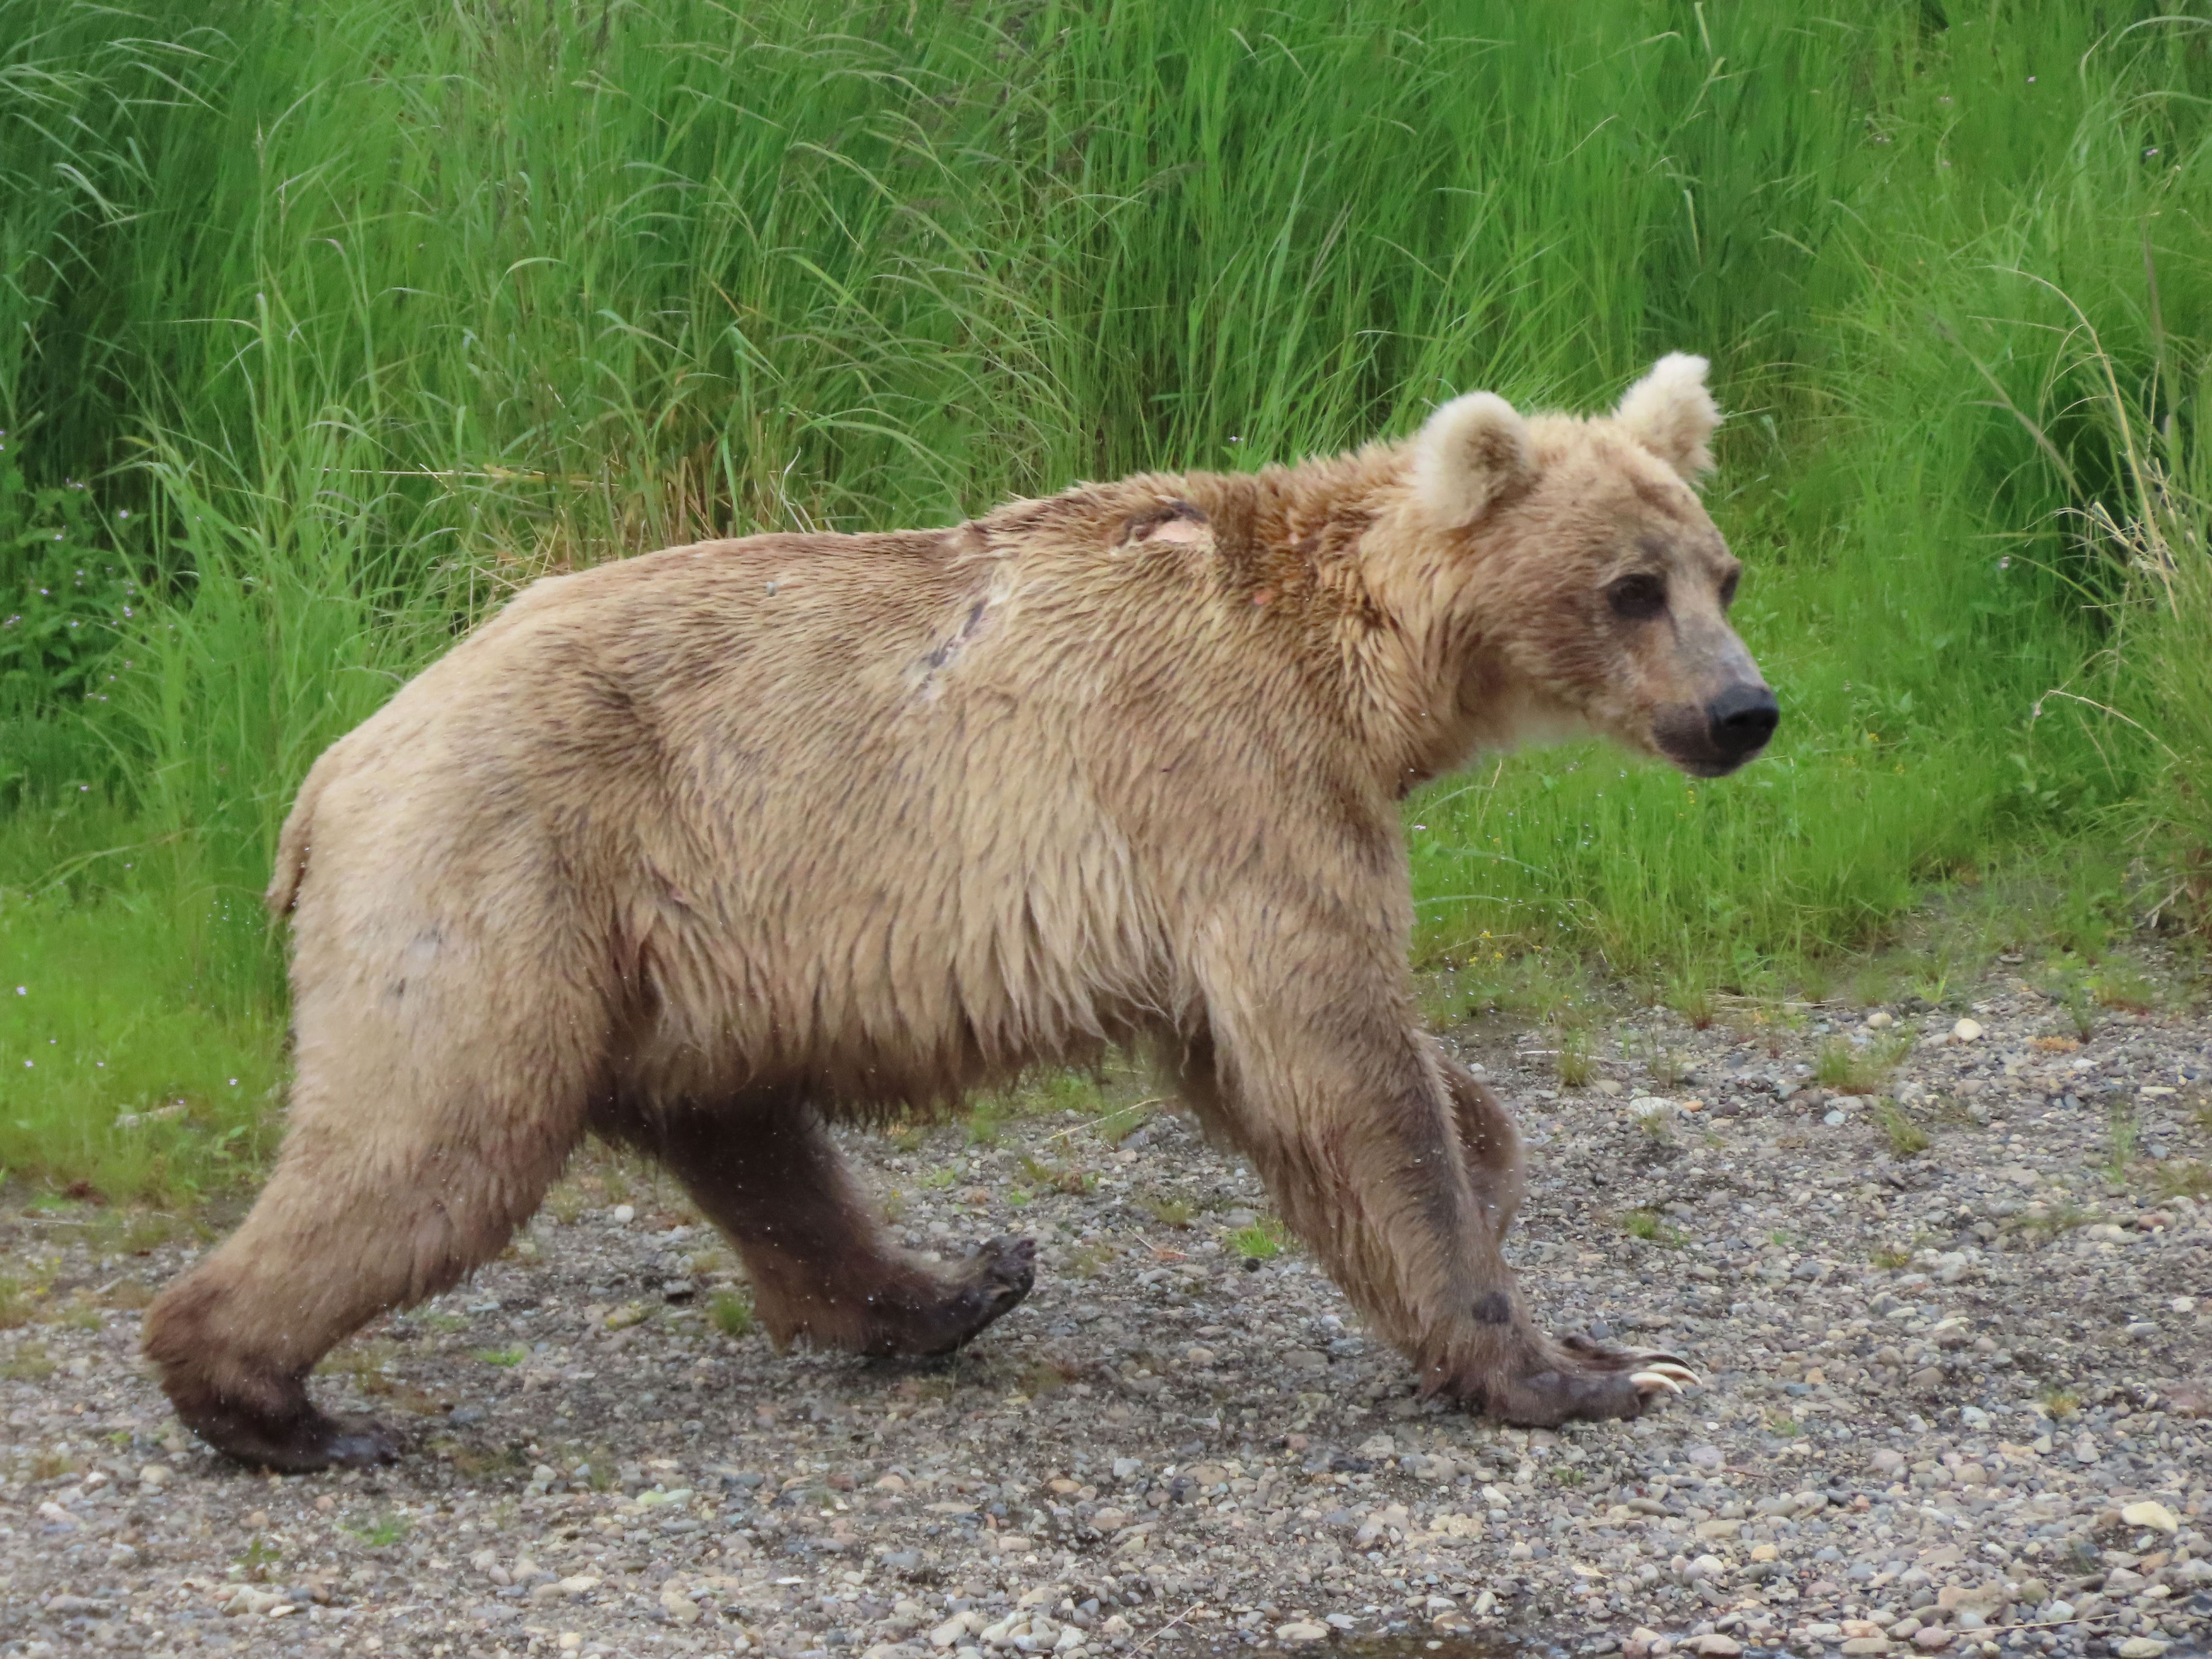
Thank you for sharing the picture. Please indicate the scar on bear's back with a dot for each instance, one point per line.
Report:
(1175, 522)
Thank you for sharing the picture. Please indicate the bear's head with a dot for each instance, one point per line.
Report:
(1580, 575)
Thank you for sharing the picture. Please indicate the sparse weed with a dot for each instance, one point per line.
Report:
(1263, 1240)
(506, 1356)
(15, 1304)
(2120, 1134)
(1905, 1138)
(2050, 1224)
(2179, 1178)
(1889, 1256)
(731, 1314)
(1651, 1227)
(1118, 1125)
(1666, 1066)
(1690, 993)
(1089, 1259)
(2058, 1402)
(29, 1363)
(2120, 984)
(379, 1531)
(1168, 1210)
(988, 1117)
(1069, 1179)
(1578, 1068)
(940, 1178)
(1052, 1372)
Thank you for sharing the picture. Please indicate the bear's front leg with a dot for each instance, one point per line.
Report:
(1349, 1112)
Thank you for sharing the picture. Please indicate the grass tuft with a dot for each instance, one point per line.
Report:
(1905, 1138)
(1263, 1240)
(731, 1314)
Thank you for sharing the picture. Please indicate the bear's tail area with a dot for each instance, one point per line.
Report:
(294, 840)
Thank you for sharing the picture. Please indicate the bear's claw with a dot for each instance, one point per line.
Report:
(997, 1275)
(1574, 1378)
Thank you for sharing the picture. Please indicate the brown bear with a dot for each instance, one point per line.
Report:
(705, 850)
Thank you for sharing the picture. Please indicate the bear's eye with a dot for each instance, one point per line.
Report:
(1637, 598)
(1728, 589)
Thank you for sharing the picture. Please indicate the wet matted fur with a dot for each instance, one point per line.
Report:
(704, 849)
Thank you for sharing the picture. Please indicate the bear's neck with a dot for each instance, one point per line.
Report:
(1371, 606)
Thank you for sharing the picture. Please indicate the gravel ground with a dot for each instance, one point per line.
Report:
(1955, 1400)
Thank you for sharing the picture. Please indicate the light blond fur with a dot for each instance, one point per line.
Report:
(705, 848)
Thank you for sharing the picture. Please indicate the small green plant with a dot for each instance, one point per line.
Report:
(1578, 1068)
(2058, 1402)
(2185, 1179)
(1568, 1475)
(2120, 1131)
(988, 1118)
(258, 1556)
(2123, 986)
(511, 1356)
(1783, 1427)
(445, 1322)
(1088, 1260)
(379, 1531)
(941, 1177)
(1117, 1125)
(1692, 995)
(1857, 1069)
(731, 1314)
(28, 1364)
(1651, 1227)
(1169, 1211)
(1668, 1068)
(1262, 1240)
(2050, 1224)
(1905, 1138)
(1052, 1372)
(1890, 1256)
(15, 1305)
(1068, 1178)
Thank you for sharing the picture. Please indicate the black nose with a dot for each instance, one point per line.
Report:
(1742, 718)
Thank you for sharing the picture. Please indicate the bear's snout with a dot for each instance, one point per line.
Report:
(1740, 719)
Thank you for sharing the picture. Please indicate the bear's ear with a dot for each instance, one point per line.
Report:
(1671, 414)
(1471, 451)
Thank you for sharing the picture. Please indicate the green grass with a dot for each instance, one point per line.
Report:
(1651, 1227)
(731, 1314)
(1263, 1240)
(323, 328)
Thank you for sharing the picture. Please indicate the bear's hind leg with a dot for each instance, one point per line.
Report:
(415, 1146)
(821, 1270)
